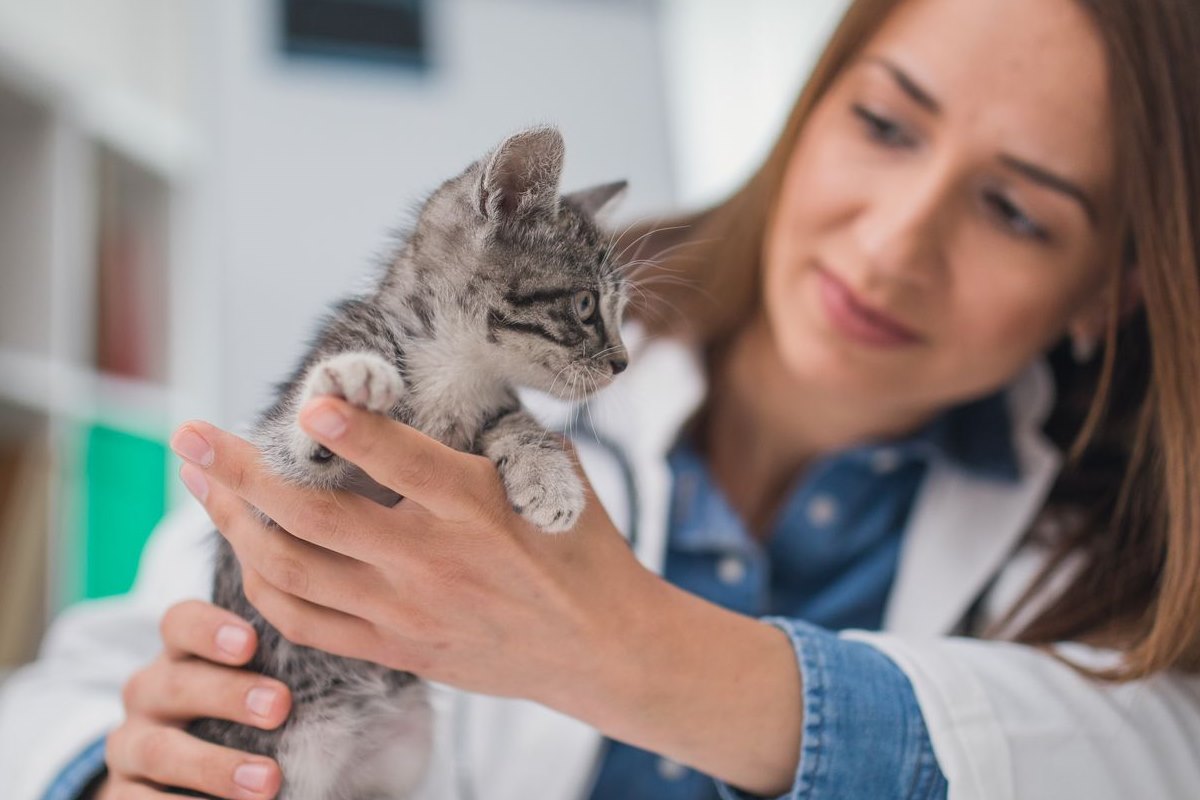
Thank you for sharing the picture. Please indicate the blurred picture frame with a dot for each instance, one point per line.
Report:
(381, 32)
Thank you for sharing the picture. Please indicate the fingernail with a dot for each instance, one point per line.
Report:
(192, 446)
(261, 700)
(327, 422)
(252, 776)
(232, 640)
(195, 481)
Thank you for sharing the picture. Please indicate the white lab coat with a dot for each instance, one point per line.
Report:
(1006, 721)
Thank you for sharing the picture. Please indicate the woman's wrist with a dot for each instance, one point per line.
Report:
(677, 675)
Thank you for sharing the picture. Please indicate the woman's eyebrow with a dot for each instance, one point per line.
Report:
(909, 86)
(1051, 181)
(1039, 175)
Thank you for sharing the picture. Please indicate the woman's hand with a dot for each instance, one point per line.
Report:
(451, 583)
(195, 676)
(454, 585)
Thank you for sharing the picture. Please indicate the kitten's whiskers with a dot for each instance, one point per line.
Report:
(651, 232)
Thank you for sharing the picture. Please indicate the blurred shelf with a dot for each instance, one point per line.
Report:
(95, 177)
(138, 132)
(84, 395)
(116, 118)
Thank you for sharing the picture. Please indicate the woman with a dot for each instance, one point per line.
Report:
(972, 250)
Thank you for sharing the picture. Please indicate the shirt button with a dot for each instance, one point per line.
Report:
(671, 770)
(731, 570)
(885, 460)
(822, 510)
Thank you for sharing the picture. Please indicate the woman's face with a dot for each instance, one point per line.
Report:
(943, 217)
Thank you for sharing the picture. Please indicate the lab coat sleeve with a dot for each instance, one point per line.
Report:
(1010, 722)
(53, 709)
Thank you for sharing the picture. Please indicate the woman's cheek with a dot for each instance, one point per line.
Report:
(993, 341)
(830, 184)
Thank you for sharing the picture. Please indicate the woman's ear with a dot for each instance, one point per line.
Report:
(1087, 328)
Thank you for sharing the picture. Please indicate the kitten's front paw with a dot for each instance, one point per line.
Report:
(544, 488)
(366, 380)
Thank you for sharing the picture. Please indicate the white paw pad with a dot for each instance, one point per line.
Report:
(365, 380)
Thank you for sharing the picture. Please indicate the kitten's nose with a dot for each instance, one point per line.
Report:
(618, 365)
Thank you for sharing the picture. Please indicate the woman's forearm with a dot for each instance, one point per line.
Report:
(679, 676)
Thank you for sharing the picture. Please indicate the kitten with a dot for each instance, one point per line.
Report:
(502, 283)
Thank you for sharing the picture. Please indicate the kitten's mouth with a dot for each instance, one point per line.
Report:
(582, 380)
(605, 372)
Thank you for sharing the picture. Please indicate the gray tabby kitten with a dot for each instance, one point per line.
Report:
(502, 283)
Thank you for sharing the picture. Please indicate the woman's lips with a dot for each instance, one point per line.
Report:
(856, 321)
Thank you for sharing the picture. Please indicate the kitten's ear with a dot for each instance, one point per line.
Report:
(598, 201)
(521, 175)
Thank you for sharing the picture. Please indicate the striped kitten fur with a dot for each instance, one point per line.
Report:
(502, 283)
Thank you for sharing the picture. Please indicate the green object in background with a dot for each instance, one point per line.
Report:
(124, 495)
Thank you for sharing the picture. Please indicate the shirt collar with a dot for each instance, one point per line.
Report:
(976, 437)
(701, 518)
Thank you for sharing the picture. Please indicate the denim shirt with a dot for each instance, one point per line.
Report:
(827, 565)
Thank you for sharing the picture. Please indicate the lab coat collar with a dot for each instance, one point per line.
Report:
(963, 529)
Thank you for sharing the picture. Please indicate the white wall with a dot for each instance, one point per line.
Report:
(733, 70)
(313, 161)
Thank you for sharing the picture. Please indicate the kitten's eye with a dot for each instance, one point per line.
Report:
(585, 304)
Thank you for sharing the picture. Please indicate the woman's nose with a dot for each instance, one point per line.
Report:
(902, 230)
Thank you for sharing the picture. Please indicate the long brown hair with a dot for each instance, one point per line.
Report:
(1131, 421)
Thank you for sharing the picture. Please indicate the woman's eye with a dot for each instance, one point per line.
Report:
(1015, 219)
(881, 129)
(585, 304)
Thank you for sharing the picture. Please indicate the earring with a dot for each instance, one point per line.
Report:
(1083, 348)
